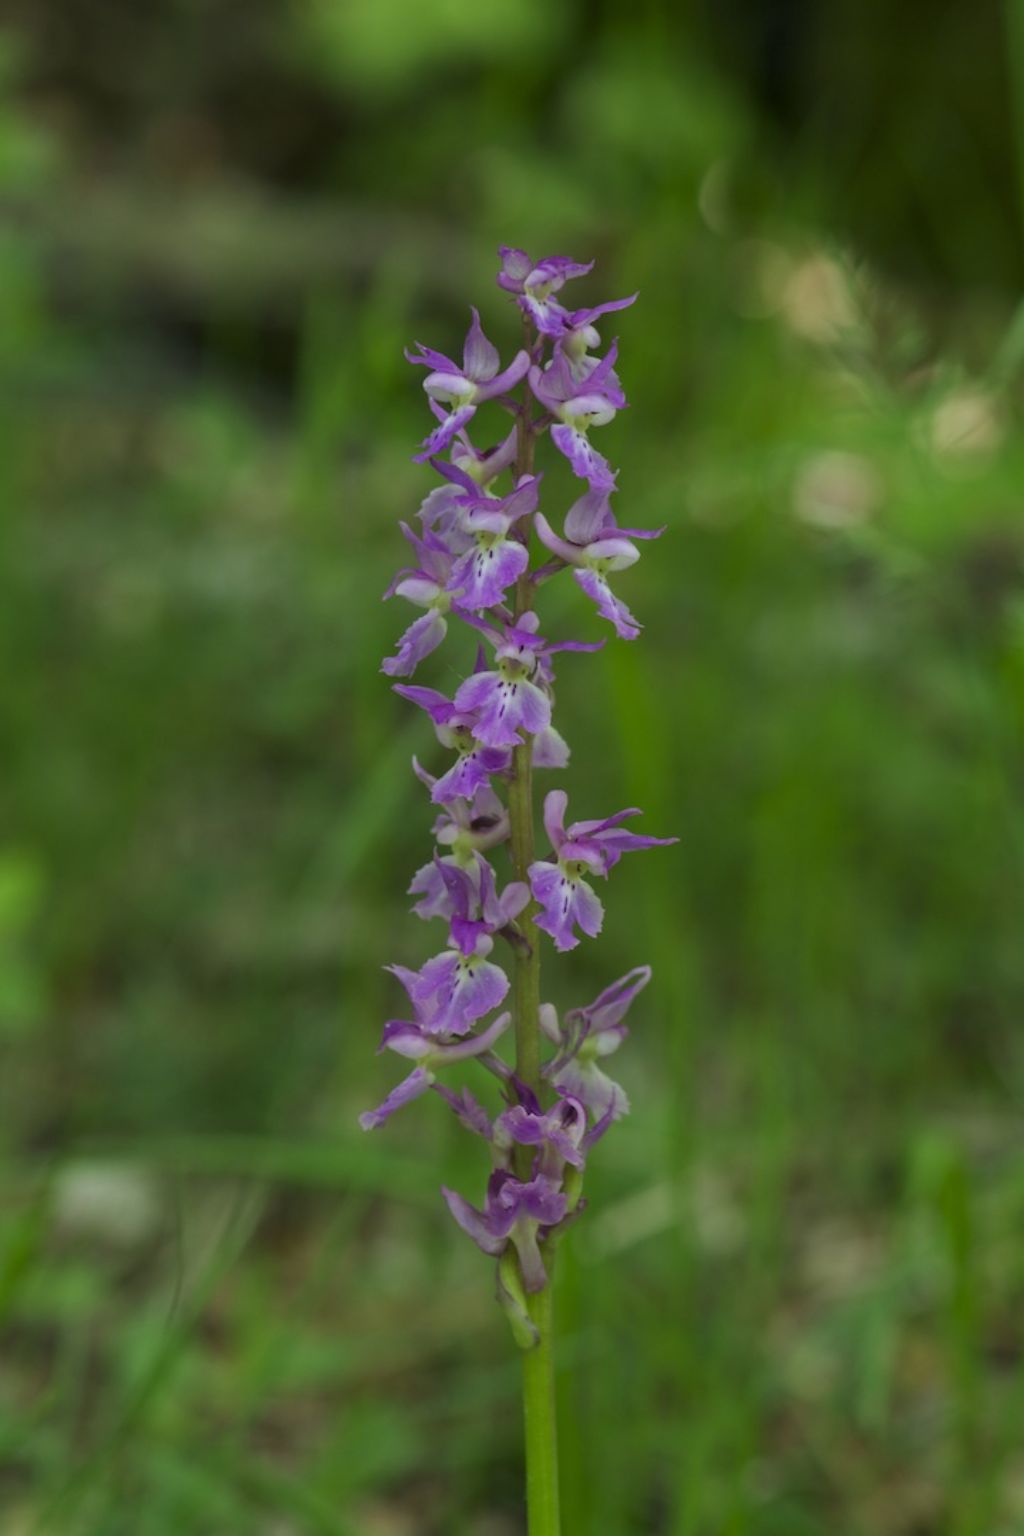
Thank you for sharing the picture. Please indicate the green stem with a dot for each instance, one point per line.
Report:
(538, 1362)
(539, 1417)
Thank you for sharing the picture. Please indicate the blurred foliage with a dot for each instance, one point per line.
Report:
(795, 1305)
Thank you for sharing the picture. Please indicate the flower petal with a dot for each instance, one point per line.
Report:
(410, 1088)
(452, 388)
(554, 384)
(610, 607)
(550, 749)
(567, 902)
(513, 899)
(475, 1045)
(480, 360)
(594, 1088)
(543, 1200)
(436, 705)
(549, 1022)
(467, 1109)
(443, 433)
(553, 271)
(516, 266)
(583, 456)
(550, 317)
(503, 707)
(556, 803)
(479, 1227)
(503, 382)
(435, 883)
(423, 636)
(463, 990)
(531, 1130)
(483, 575)
(570, 553)
(405, 1039)
(437, 362)
(581, 317)
(617, 842)
(469, 773)
(589, 515)
(611, 1005)
(617, 554)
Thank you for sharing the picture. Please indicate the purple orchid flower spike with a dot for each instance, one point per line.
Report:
(578, 405)
(472, 567)
(586, 847)
(463, 389)
(426, 585)
(411, 1041)
(585, 1037)
(533, 285)
(454, 728)
(495, 558)
(595, 545)
(515, 1212)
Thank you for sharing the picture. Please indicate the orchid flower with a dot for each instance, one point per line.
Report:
(595, 546)
(577, 405)
(533, 286)
(586, 847)
(495, 558)
(411, 1040)
(475, 763)
(516, 1212)
(586, 1037)
(426, 585)
(465, 388)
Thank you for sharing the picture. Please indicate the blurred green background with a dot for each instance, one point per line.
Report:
(796, 1307)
